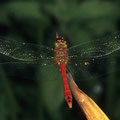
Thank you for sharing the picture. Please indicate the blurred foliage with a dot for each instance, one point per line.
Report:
(33, 92)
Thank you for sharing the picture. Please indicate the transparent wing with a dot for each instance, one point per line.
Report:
(96, 49)
(25, 51)
(89, 61)
(86, 58)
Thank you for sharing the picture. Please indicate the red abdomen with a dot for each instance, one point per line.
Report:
(67, 92)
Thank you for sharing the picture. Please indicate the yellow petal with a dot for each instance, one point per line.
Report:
(89, 107)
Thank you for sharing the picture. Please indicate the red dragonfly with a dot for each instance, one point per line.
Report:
(61, 54)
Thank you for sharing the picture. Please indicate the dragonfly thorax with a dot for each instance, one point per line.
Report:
(61, 51)
(61, 56)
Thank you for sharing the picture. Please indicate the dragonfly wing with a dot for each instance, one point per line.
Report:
(25, 51)
(85, 59)
(96, 49)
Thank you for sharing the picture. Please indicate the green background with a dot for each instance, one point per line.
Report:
(34, 92)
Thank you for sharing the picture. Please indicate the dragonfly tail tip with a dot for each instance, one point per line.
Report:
(70, 105)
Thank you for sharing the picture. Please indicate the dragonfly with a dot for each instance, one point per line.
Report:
(61, 55)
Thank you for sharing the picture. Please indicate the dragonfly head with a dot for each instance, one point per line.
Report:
(60, 41)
